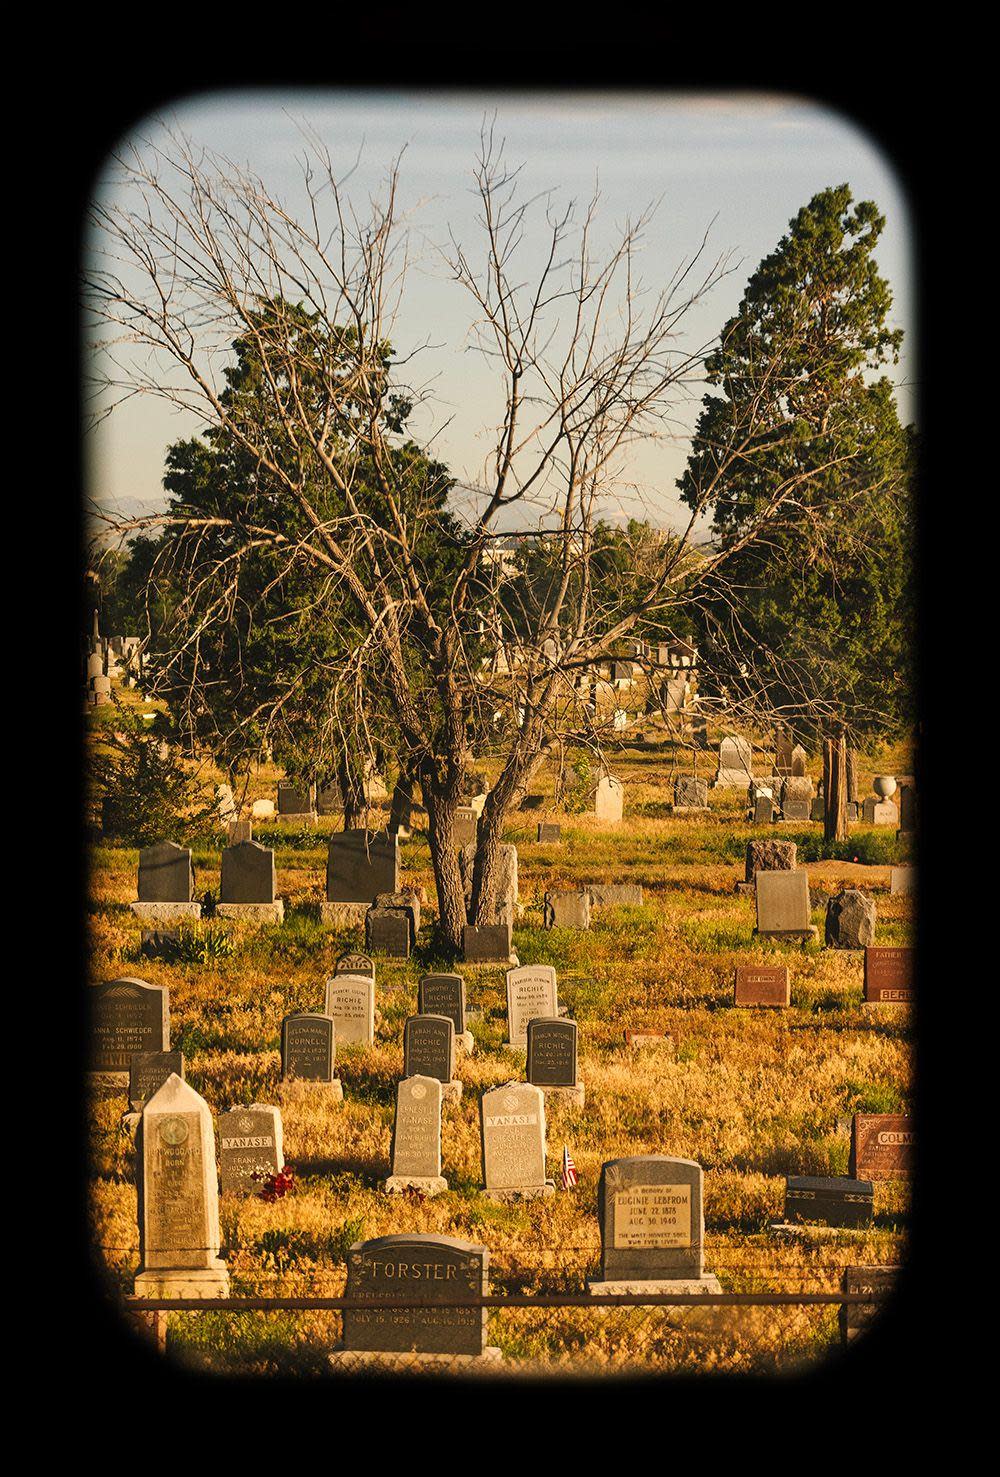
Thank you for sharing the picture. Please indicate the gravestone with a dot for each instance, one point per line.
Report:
(615, 895)
(178, 1199)
(465, 824)
(249, 1144)
(225, 803)
(799, 760)
(407, 901)
(360, 865)
(531, 994)
(486, 943)
(690, 793)
(241, 830)
(552, 1060)
(548, 832)
(248, 884)
(415, 1152)
(309, 1051)
(166, 883)
(764, 812)
(833, 1200)
(609, 799)
(735, 768)
(768, 855)
(402, 1268)
(817, 810)
(127, 1016)
(328, 799)
(879, 812)
(262, 810)
(783, 905)
(350, 1001)
(429, 1051)
(881, 1146)
(512, 1121)
(888, 976)
(783, 753)
(566, 909)
(355, 964)
(296, 801)
(902, 881)
(758, 984)
(652, 1226)
(401, 809)
(147, 1072)
(444, 994)
(388, 931)
(796, 798)
(856, 1317)
(850, 920)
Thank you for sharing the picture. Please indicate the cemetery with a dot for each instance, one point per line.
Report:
(502, 764)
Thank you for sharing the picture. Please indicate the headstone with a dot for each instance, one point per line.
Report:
(609, 799)
(799, 760)
(249, 882)
(429, 1047)
(763, 810)
(833, 1201)
(769, 855)
(758, 984)
(652, 1225)
(817, 809)
(856, 1317)
(388, 931)
(902, 881)
(241, 830)
(513, 1139)
(127, 1016)
(147, 1072)
(401, 809)
(350, 1000)
(615, 895)
(166, 874)
(548, 832)
(783, 904)
(249, 1144)
(531, 994)
(308, 1048)
(881, 1146)
(415, 1152)
(355, 964)
(443, 994)
(465, 826)
(796, 798)
(296, 800)
(225, 803)
(850, 920)
(404, 1267)
(552, 1053)
(690, 792)
(888, 976)
(876, 812)
(360, 865)
(262, 810)
(178, 1202)
(566, 909)
(735, 768)
(486, 943)
(328, 800)
(783, 753)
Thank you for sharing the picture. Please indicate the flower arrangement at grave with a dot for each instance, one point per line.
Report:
(275, 1186)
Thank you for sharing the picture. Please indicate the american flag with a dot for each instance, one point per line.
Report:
(568, 1170)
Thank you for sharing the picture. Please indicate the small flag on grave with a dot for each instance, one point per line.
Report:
(568, 1170)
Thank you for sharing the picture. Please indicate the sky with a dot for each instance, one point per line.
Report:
(737, 165)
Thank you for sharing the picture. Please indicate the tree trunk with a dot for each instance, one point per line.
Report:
(511, 786)
(852, 775)
(351, 782)
(441, 802)
(835, 789)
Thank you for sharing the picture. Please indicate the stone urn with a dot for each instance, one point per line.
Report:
(884, 786)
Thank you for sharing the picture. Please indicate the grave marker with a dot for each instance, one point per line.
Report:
(429, 1051)
(512, 1122)
(783, 905)
(308, 1048)
(881, 1146)
(248, 884)
(350, 1001)
(531, 994)
(831, 1200)
(127, 1016)
(249, 1143)
(652, 1226)
(166, 883)
(758, 984)
(856, 1317)
(609, 799)
(148, 1070)
(361, 864)
(888, 976)
(415, 1152)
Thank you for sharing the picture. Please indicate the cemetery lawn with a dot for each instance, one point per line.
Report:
(751, 1095)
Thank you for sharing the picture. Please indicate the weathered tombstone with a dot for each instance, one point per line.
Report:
(360, 865)
(902, 881)
(262, 810)
(609, 799)
(127, 1016)
(652, 1227)
(309, 1051)
(166, 883)
(817, 809)
(241, 830)
(486, 943)
(355, 964)
(552, 1060)
(783, 753)
(615, 895)
(768, 855)
(763, 810)
(401, 809)
(444, 994)
(799, 760)
(636, 1039)
(399, 1269)
(225, 803)
(796, 798)
(407, 901)
(178, 1201)
(758, 984)
(831, 1200)
(888, 976)
(350, 1000)
(548, 832)
(566, 909)
(531, 994)
(783, 905)
(429, 1051)
(249, 1144)
(328, 799)
(512, 1119)
(248, 884)
(690, 793)
(881, 1146)
(465, 824)
(296, 802)
(147, 1072)
(388, 931)
(856, 1317)
(850, 920)
(415, 1153)
(735, 769)
(877, 811)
